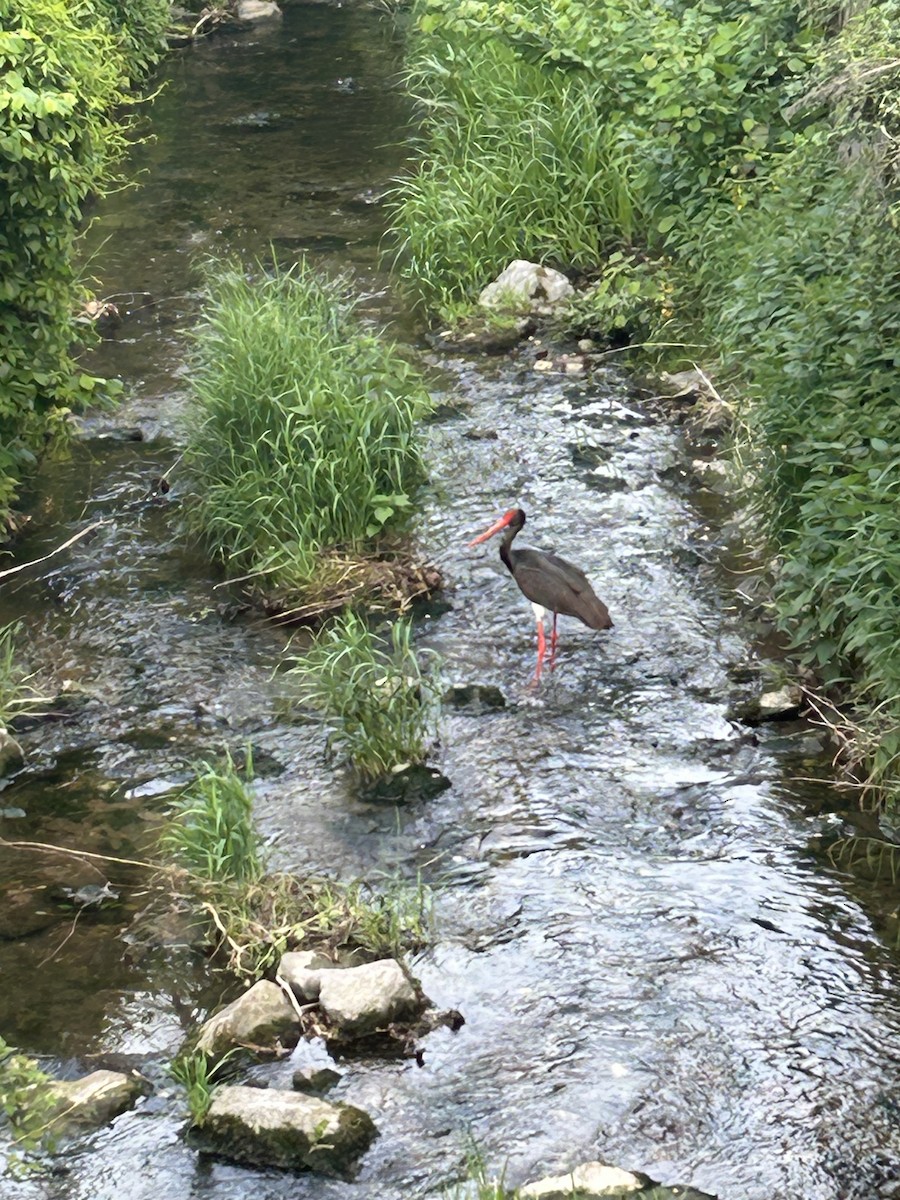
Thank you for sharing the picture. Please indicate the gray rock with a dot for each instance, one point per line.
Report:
(526, 287)
(94, 1100)
(781, 703)
(302, 971)
(275, 1128)
(259, 1019)
(258, 10)
(11, 755)
(363, 1000)
(315, 1079)
(590, 1180)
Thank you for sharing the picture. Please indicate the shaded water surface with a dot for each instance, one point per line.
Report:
(653, 967)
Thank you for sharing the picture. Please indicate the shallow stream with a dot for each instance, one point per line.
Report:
(653, 965)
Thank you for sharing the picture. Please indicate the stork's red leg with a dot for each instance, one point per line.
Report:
(542, 649)
(553, 643)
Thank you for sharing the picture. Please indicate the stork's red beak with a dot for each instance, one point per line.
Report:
(495, 528)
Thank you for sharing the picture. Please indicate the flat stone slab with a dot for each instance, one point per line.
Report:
(94, 1100)
(269, 1127)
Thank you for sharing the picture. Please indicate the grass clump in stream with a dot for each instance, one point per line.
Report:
(301, 445)
(16, 694)
(255, 915)
(380, 701)
(211, 831)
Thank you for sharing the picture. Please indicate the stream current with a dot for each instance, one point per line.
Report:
(653, 966)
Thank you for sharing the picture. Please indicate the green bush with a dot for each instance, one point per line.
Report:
(301, 439)
(516, 165)
(63, 71)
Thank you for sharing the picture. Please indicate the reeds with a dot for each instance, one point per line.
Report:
(301, 434)
(379, 700)
(211, 832)
(516, 163)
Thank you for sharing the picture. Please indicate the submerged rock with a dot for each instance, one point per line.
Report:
(11, 754)
(261, 1019)
(407, 784)
(475, 698)
(315, 1079)
(526, 287)
(94, 1100)
(275, 1128)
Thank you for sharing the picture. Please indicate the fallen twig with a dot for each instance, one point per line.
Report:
(71, 542)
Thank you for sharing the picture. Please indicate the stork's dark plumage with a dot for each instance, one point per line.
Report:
(549, 582)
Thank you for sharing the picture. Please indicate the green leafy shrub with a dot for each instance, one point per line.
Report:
(380, 701)
(62, 75)
(302, 434)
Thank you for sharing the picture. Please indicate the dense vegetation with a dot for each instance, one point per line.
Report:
(64, 70)
(729, 170)
(301, 448)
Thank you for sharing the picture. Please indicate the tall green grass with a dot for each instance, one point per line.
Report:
(16, 694)
(516, 163)
(380, 700)
(211, 831)
(301, 437)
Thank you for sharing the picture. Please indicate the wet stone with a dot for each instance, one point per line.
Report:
(780, 704)
(302, 971)
(360, 1001)
(407, 785)
(11, 755)
(261, 1019)
(315, 1079)
(95, 1099)
(590, 1180)
(276, 1128)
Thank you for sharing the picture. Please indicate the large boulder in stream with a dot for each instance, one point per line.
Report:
(356, 1001)
(526, 287)
(269, 1127)
(600, 1181)
(93, 1100)
(262, 1019)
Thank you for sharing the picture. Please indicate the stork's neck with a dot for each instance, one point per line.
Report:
(506, 551)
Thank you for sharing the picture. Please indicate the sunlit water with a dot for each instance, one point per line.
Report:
(653, 967)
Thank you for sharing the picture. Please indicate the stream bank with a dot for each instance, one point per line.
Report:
(654, 967)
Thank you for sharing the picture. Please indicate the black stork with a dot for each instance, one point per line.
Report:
(549, 582)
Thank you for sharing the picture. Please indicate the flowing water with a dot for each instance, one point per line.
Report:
(653, 965)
